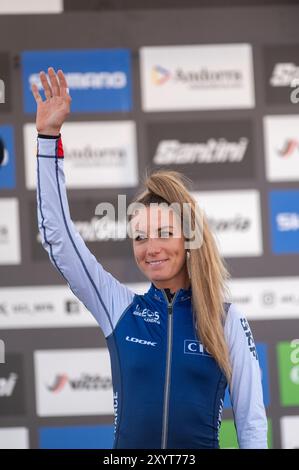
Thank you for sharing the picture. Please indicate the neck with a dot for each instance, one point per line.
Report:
(172, 286)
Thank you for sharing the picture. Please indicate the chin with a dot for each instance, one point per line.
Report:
(159, 278)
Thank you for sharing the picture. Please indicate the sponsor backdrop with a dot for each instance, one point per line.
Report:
(212, 92)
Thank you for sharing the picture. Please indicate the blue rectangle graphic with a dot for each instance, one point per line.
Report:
(284, 221)
(76, 437)
(7, 158)
(99, 80)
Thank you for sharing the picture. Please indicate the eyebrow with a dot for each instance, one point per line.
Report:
(159, 229)
(165, 226)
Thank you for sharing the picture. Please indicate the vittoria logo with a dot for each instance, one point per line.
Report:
(289, 148)
(73, 382)
(85, 382)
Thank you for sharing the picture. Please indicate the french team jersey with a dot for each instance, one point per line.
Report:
(168, 391)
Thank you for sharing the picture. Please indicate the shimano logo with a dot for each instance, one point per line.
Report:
(140, 341)
(195, 347)
(89, 80)
(170, 152)
(147, 315)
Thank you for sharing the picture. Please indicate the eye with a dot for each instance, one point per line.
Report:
(166, 234)
(139, 238)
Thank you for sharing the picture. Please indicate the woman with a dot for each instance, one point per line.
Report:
(173, 350)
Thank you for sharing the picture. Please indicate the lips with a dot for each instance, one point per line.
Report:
(157, 262)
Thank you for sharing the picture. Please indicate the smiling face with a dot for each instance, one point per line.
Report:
(158, 246)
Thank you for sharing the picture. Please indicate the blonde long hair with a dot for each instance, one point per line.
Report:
(208, 274)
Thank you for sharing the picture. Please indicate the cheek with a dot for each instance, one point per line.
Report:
(138, 253)
(178, 248)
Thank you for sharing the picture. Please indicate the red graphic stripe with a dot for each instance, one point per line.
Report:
(59, 148)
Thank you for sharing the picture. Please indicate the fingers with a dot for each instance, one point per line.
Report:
(55, 88)
(35, 93)
(54, 82)
(45, 84)
(63, 83)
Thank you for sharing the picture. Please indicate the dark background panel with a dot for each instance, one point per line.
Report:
(134, 24)
(79, 5)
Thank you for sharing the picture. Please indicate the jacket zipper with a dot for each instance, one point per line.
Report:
(168, 370)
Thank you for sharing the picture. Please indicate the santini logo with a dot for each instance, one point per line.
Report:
(211, 151)
(7, 386)
(283, 74)
(140, 341)
(195, 347)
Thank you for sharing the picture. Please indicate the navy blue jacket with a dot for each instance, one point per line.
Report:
(168, 390)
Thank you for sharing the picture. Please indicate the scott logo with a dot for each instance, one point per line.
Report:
(140, 341)
(249, 337)
(192, 346)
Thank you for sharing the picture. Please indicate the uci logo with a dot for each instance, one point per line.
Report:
(192, 346)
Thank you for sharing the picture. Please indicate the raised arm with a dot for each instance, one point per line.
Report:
(246, 387)
(103, 295)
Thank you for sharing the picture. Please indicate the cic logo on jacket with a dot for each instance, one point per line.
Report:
(192, 346)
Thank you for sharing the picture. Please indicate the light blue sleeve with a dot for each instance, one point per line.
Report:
(103, 295)
(246, 387)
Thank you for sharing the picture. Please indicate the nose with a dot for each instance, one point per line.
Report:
(153, 246)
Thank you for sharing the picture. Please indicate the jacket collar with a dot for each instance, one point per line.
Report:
(159, 294)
